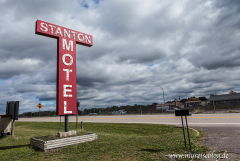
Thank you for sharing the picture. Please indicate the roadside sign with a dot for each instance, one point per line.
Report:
(66, 63)
(39, 105)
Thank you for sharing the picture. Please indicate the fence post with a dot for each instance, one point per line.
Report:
(214, 106)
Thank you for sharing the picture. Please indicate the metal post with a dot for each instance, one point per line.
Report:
(214, 106)
(188, 133)
(81, 125)
(77, 120)
(12, 132)
(60, 123)
(66, 123)
(39, 112)
(163, 98)
(183, 132)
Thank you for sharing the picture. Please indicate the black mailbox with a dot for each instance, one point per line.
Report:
(78, 104)
(12, 109)
(182, 112)
(16, 110)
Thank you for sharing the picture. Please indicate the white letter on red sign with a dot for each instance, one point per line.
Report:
(67, 46)
(67, 73)
(52, 28)
(65, 90)
(87, 39)
(65, 108)
(64, 61)
(81, 36)
(58, 31)
(73, 34)
(66, 33)
(45, 27)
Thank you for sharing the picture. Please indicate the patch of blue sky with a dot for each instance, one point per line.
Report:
(96, 1)
(2, 82)
(47, 103)
(150, 65)
(72, 17)
(85, 4)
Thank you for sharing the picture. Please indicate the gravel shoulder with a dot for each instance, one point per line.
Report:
(222, 139)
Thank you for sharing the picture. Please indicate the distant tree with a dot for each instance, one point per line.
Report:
(154, 104)
(232, 92)
(202, 98)
(183, 100)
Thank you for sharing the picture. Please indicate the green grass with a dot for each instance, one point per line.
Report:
(115, 142)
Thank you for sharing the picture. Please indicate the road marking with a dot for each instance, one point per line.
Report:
(155, 117)
(131, 118)
(168, 123)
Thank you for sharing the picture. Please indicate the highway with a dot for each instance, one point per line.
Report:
(225, 119)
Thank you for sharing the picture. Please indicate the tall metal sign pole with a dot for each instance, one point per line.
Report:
(66, 64)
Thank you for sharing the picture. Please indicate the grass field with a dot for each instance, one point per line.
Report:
(115, 142)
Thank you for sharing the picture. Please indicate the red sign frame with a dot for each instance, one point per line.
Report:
(66, 63)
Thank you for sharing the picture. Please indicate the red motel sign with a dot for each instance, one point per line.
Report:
(66, 63)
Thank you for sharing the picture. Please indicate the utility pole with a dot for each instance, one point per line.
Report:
(163, 98)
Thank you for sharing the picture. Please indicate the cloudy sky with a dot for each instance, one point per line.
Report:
(189, 48)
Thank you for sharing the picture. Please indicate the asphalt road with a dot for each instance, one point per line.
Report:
(194, 120)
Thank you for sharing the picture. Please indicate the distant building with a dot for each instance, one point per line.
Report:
(194, 103)
(162, 106)
(177, 104)
(168, 105)
(233, 98)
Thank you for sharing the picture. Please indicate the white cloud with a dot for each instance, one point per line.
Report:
(189, 48)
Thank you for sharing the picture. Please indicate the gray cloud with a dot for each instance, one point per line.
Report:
(188, 48)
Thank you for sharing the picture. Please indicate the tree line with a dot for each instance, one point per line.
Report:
(130, 109)
(134, 109)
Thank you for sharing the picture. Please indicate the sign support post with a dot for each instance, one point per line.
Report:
(13, 124)
(66, 123)
(39, 106)
(184, 112)
(66, 64)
